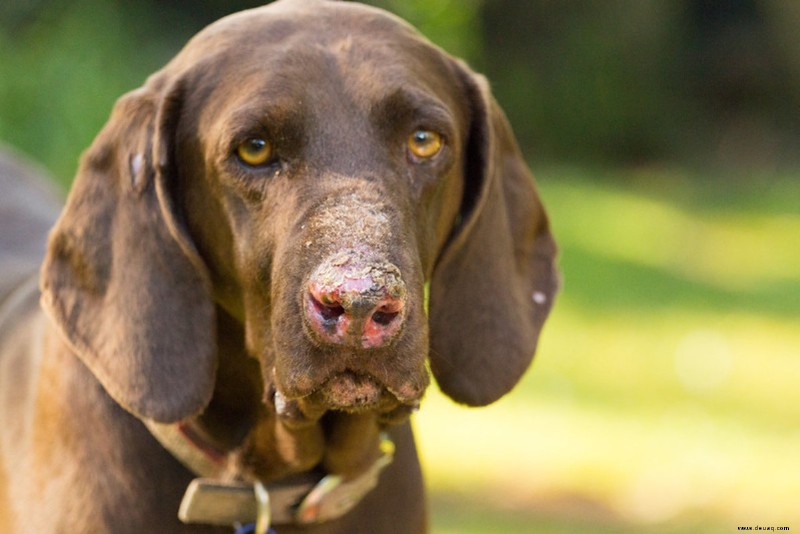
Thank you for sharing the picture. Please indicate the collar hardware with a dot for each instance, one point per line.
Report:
(334, 496)
(215, 499)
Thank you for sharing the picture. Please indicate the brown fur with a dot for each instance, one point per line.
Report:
(174, 278)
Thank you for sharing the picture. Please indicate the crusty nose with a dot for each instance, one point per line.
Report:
(351, 301)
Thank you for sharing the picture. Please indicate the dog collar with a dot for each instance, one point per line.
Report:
(217, 498)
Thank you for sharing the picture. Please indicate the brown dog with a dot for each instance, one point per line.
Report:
(236, 288)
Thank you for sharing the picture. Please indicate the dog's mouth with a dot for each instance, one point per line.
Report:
(352, 392)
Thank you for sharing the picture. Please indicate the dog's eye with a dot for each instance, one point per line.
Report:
(425, 144)
(254, 151)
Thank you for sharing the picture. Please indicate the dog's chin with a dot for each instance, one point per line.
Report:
(301, 399)
(354, 392)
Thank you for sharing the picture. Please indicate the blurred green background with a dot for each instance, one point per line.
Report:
(665, 137)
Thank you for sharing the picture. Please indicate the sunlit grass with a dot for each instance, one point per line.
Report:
(664, 396)
(732, 251)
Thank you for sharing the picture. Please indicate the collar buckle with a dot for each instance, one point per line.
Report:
(214, 502)
(334, 496)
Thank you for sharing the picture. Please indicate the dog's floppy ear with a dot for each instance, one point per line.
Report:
(121, 279)
(496, 280)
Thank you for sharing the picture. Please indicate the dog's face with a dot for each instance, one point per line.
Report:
(307, 167)
(331, 166)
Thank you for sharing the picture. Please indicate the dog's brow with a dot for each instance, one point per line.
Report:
(411, 105)
(280, 119)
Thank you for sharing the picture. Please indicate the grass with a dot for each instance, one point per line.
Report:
(63, 69)
(664, 397)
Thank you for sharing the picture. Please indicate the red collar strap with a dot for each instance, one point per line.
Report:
(218, 498)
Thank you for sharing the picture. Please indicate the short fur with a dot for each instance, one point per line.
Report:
(174, 278)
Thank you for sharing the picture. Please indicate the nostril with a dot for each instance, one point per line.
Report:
(328, 309)
(331, 313)
(383, 323)
(385, 314)
(384, 318)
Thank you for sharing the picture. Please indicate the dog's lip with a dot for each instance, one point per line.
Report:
(357, 390)
(351, 390)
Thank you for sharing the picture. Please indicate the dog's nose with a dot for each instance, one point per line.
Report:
(355, 302)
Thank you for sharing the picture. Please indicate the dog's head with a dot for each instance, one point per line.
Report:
(316, 170)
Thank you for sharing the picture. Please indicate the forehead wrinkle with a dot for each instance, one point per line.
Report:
(402, 103)
(376, 70)
(357, 50)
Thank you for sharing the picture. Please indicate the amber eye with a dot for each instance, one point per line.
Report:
(425, 144)
(254, 151)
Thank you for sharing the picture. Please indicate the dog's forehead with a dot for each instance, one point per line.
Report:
(316, 18)
(306, 40)
(316, 68)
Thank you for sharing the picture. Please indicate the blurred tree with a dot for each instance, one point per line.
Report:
(740, 78)
(452, 24)
(627, 81)
(64, 63)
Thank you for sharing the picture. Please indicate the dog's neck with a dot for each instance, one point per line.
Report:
(237, 401)
(241, 417)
